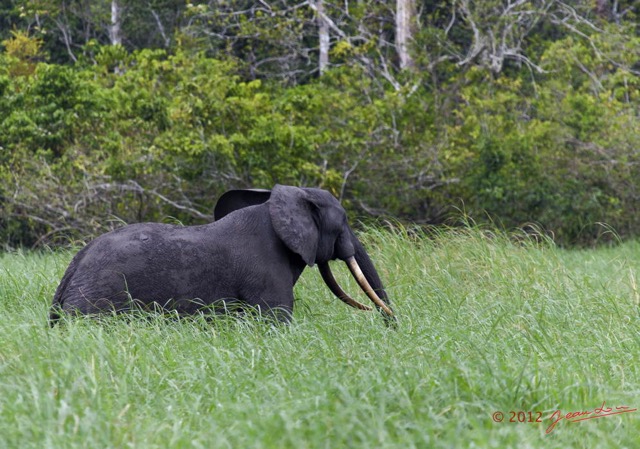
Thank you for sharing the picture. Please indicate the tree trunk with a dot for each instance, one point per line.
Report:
(115, 34)
(404, 32)
(323, 36)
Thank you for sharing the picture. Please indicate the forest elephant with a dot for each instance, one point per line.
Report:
(252, 255)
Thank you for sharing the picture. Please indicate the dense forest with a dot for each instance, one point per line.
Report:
(512, 112)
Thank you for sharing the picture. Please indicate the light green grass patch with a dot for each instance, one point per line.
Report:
(487, 325)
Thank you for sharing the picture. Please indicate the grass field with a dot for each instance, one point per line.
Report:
(486, 326)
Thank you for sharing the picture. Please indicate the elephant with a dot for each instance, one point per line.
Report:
(250, 257)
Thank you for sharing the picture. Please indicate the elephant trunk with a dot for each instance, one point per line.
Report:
(372, 277)
(367, 277)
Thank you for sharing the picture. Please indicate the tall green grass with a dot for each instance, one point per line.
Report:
(488, 323)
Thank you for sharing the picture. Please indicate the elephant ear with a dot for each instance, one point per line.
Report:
(237, 199)
(292, 217)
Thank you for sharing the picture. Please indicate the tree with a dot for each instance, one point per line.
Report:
(115, 28)
(323, 36)
(405, 10)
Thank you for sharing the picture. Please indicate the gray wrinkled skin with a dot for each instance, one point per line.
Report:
(252, 256)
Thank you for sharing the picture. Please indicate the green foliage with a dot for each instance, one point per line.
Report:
(21, 53)
(554, 155)
(541, 130)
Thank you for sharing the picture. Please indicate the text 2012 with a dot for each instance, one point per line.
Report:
(518, 417)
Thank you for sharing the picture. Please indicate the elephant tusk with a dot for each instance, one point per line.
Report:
(331, 282)
(364, 284)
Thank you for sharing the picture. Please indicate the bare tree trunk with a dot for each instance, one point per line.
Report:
(165, 38)
(404, 20)
(323, 35)
(115, 33)
(66, 36)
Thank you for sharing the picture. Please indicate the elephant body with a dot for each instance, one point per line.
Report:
(252, 256)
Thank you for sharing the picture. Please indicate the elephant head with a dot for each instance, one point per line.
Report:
(312, 224)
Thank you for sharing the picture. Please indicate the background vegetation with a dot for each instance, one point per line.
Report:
(485, 325)
(514, 112)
